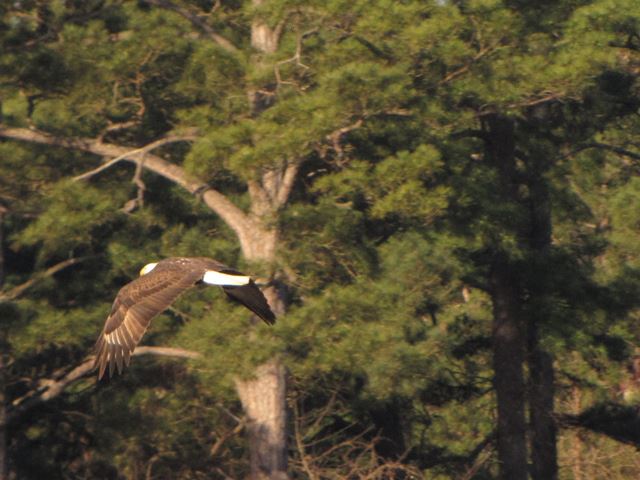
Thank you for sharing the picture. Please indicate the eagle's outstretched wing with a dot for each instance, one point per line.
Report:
(133, 309)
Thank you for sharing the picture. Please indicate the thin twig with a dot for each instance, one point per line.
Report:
(137, 179)
(15, 292)
(295, 58)
(335, 137)
(223, 438)
(299, 443)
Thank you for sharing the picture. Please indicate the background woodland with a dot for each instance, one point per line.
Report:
(441, 199)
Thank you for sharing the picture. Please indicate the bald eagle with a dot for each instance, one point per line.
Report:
(158, 286)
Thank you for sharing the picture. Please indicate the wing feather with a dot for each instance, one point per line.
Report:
(136, 304)
(251, 297)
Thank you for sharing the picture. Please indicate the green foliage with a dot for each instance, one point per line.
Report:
(386, 243)
(75, 213)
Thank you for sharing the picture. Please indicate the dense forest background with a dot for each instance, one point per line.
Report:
(441, 200)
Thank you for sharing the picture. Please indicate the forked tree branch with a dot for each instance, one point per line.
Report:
(233, 216)
(137, 153)
(48, 389)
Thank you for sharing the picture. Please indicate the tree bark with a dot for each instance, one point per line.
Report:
(4, 458)
(508, 360)
(544, 461)
(264, 38)
(508, 325)
(264, 400)
(544, 456)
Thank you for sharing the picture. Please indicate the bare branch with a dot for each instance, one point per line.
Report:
(48, 389)
(374, 49)
(604, 146)
(335, 137)
(215, 448)
(15, 292)
(114, 127)
(237, 220)
(620, 422)
(300, 443)
(197, 22)
(260, 201)
(166, 352)
(135, 153)
(137, 179)
(297, 58)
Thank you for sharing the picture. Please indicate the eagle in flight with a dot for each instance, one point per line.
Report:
(154, 291)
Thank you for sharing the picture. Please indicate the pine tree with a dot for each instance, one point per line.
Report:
(438, 194)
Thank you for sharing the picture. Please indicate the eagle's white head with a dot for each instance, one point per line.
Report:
(147, 268)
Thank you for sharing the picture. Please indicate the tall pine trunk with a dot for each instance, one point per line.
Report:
(508, 326)
(508, 361)
(544, 456)
(4, 458)
(544, 461)
(516, 337)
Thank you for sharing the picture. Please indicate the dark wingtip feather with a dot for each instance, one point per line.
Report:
(268, 316)
(251, 297)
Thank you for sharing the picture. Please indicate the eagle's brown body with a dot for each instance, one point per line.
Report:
(138, 302)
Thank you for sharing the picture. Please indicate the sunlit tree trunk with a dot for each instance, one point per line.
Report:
(263, 397)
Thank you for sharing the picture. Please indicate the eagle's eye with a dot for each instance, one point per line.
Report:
(147, 268)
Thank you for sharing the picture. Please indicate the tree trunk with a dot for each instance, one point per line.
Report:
(263, 397)
(544, 455)
(508, 360)
(543, 429)
(508, 326)
(4, 458)
(264, 401)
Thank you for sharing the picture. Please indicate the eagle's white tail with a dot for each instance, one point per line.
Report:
(225, 279)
